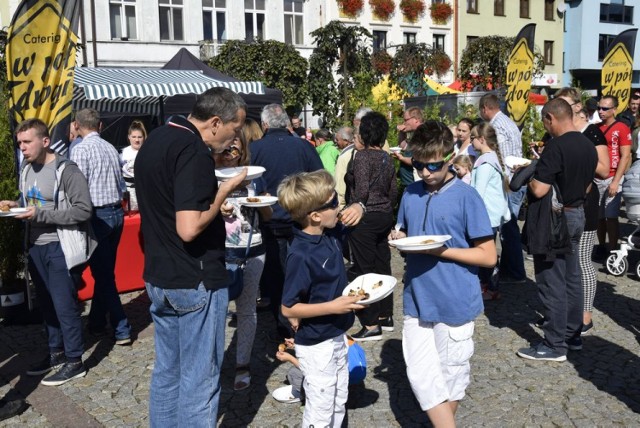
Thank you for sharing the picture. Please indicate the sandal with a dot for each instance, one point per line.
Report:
(242, 379)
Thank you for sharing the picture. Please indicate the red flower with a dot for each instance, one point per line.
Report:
(351, 7)
(381, 62)
(411, 9)
(383, 8)
(441, 12)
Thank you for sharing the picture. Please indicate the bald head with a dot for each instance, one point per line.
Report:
(557, 117)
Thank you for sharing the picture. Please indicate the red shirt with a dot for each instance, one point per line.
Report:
(617, 135)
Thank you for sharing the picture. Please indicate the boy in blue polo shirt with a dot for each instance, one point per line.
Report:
(312, 298)
(442, 294)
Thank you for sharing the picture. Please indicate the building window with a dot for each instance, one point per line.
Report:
(437, 1)
(616, 13)
(254, 19)
(472, 6)
(122, 17)
(548, 52)
(293, 29)
(498, 7)
(604, 40)
(524, 8)
(171, 26)
(379, 41)
(409, 38)
(549, 9)
(438, 42)
(471, 39)
(214, 22)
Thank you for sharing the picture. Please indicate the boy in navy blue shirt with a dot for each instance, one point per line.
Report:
(312, 298)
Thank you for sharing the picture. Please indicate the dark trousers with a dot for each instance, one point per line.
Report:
(57, 294)
(560, 288)
(489, 276)
(107, 225)
(370, 253)
(276, 241)
(511, 258)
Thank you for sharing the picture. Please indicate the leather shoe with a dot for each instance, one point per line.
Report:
(365, 335)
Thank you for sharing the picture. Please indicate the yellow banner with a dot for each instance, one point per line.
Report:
(518, 81)
(617, 71)
(440, 89)
(41, 56)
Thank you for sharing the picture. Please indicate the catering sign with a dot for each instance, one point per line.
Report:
(520, 74)
(617, 68)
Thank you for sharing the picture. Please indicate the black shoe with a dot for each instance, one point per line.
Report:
(386, 324)
(69, 371)
(9, 409)
(50, 362)
(365, 335)
(575, 343)
(587, 328)
(541, 352)
(539, 322)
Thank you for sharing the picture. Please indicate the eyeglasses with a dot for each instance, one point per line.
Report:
(331, 205)
(407, 119)
(605, 108)
(431, 166)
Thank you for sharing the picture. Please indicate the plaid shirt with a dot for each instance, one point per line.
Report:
(99, 162)
(509, 137)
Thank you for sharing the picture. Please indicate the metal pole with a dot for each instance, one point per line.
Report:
(93, 33)
(83, 34)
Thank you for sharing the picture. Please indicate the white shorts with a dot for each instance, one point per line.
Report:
(437, 357)
(326, 381)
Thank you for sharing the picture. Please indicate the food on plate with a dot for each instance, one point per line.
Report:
(359, 292)
(252, 199)
(377, 285)
(539, 143)
(5, 208)
(282, 347)
(427, 241)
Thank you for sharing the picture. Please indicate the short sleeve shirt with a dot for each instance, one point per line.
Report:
(315, 273)
(176, 172)
(617, 135)
(436, 289)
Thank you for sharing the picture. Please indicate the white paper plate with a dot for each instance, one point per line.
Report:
(285, 394)
(417, 243)
(366, 283)
(265, 201)
(13, 212)
(253, 172)
(395, 149)
(514, 161)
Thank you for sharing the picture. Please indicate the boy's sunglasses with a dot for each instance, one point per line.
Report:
(431, 166)
(331, 205)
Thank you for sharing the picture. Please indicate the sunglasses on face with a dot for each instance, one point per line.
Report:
(331, 205)
(604, 108)
(431, 166)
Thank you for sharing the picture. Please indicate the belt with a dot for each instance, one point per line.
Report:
(572, 208)
(116, 205)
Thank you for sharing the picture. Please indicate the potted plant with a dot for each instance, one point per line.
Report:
(350, 8)
(441, 12)
(441, 62)
(382, 9)
(412, 9)
(381, 62)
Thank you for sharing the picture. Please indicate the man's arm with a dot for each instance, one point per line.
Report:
(338, 306)
(538, 188)
(190, 224)
(76, 190)
(625, 157)
(602, 169)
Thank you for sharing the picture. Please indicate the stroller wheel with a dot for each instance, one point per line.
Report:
(638, 269)
(619, 268)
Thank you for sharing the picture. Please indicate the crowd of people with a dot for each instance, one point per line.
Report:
(337, 195)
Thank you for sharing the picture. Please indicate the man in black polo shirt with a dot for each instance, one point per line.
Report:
(184, 272)
(569, 162)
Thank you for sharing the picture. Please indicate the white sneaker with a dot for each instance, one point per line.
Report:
(286, 394)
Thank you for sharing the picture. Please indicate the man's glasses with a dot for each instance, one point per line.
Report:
(605, 108)
(331, 205)
(431, 166)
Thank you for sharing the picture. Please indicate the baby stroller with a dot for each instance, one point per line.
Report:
(617, 263)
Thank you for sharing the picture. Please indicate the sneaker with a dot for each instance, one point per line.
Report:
(125, 341)
(575, 343)
(541, 352)
(50, 362)
(587, 328)
(386, 324)
(69, 371)
(366, 335)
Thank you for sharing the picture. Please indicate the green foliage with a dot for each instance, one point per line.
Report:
(484, 61)
(11, 260)
(342, 50)
(533, 128)
(412, 61)
(466, 110)
(433, 111)
(276, 64)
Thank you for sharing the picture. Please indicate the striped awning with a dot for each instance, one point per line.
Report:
(139, 91)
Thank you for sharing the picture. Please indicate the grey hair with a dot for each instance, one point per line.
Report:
(88, 118)
(275, 116)
(361, 112)
(220, 102)
(345, 133)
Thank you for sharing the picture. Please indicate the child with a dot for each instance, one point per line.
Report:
(442, 294)
(312, 298)
(137, 134)
(491, 182)
(462, 165)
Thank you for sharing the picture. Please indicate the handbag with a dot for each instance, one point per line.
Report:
(559, 239)
(236, 270)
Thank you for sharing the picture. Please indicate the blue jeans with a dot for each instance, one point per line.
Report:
(189, 343)
(107, 225)
(57, 294)
(560, 288)
(511, 259)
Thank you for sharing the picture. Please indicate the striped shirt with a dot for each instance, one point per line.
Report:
(509, 137)
(100, 163)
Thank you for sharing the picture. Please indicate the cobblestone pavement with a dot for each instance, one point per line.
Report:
(598, 386)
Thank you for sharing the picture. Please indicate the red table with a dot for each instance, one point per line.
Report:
(129, 262)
